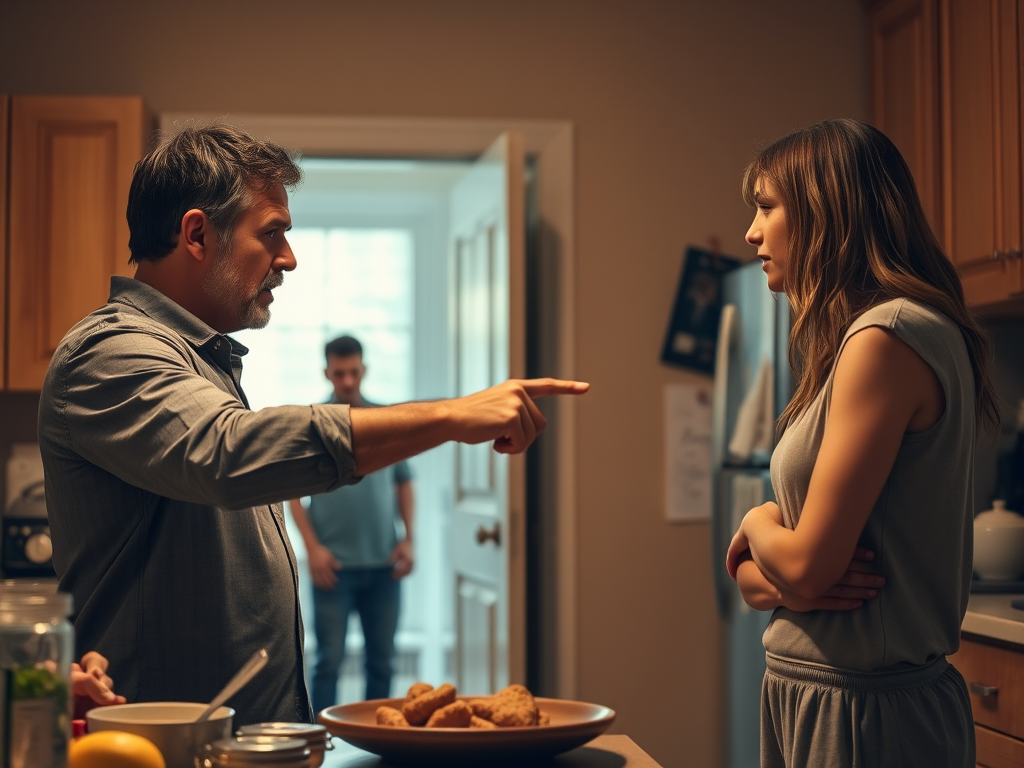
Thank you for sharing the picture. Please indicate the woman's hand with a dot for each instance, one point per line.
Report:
(739, 550)
(858, 584)
(740, 544)
(91, 685)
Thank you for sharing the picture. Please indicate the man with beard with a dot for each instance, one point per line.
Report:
(163, 488)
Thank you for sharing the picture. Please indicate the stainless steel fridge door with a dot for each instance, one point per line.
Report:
(743, 653)
(753, 342)
(753, 329)
(748, 336)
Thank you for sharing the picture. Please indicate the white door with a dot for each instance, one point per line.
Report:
(487, 542)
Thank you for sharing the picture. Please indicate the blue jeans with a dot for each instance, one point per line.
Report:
(374, 594)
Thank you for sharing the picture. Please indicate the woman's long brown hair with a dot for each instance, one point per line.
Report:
(858, 236)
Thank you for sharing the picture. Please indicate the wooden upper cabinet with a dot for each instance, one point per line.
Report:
(981, 122)
(71, 164)
(947, 88)
(4, 109)
(981, 146)
(904, 38)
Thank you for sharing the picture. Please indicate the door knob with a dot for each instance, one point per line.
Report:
(494, 534)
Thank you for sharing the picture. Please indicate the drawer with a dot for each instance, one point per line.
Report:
(997, 750)
(995, 679)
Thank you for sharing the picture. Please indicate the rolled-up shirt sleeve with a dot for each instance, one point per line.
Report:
(135, 402)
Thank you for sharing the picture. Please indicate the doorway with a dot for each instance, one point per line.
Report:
(370, 237)
(550, 146)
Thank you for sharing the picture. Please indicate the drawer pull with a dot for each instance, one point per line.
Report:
(984, 690)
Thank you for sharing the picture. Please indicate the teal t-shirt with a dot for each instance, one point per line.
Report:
(358, 523)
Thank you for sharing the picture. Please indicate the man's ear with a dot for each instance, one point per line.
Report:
(196, 234)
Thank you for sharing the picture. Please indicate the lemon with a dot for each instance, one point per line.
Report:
(114, 749)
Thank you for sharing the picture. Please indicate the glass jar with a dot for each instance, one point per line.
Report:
(250, 751)
(315, 736)
(36, 650)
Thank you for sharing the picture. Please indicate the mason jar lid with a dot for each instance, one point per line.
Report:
(33, 595)
(314, 735)
(266, 750)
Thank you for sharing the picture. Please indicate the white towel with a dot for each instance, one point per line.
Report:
(755, 423)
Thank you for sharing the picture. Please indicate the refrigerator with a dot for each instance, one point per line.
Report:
(752, 385)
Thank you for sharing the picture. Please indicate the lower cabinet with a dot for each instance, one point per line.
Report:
(994, 672)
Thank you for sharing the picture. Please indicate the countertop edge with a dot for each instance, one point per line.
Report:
(992, 616)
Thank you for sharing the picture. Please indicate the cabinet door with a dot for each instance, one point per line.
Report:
(71, 164)
(905, 90)
(997, 750)
(995, 679)
(981, 144)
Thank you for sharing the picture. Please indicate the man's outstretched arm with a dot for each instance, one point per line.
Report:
(505, 414)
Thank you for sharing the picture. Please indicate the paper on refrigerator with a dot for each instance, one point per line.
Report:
(687, 452)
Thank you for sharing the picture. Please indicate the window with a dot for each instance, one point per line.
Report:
(354, 281)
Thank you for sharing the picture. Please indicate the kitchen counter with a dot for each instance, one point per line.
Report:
(603, 752)
(990, 615)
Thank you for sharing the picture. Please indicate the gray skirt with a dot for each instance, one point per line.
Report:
(816, 716)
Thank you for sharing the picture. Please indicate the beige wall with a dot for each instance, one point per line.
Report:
(668, 99)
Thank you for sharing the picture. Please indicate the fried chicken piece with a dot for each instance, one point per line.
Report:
(479, 722)
(514, 707)
(455, 715)
(482, 708)
(543, 718)
(391, 717)
(419, 710)
(418, 689)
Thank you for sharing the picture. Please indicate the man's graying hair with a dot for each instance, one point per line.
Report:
(214, 169)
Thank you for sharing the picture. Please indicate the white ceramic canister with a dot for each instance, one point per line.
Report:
(999, 543)
(315, 736)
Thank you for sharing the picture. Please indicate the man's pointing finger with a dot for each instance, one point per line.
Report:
(545, 387)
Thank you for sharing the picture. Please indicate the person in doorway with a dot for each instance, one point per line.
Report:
(866, 558)
(356, 559)
(163, 488)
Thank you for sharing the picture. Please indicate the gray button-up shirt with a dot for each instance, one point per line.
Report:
(163, 491)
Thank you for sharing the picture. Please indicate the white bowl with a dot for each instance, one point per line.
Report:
(999, 544)
(169, 725)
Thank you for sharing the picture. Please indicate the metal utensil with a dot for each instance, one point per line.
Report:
(243, 676)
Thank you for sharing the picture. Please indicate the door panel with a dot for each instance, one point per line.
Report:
(476, 616)
(487, 231)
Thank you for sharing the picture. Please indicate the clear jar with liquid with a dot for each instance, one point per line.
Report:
(36, 651)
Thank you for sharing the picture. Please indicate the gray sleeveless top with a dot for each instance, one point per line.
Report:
(920, 528)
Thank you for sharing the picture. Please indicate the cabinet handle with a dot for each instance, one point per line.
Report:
(984, 690)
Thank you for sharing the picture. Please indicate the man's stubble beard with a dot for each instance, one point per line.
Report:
(226, 285)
